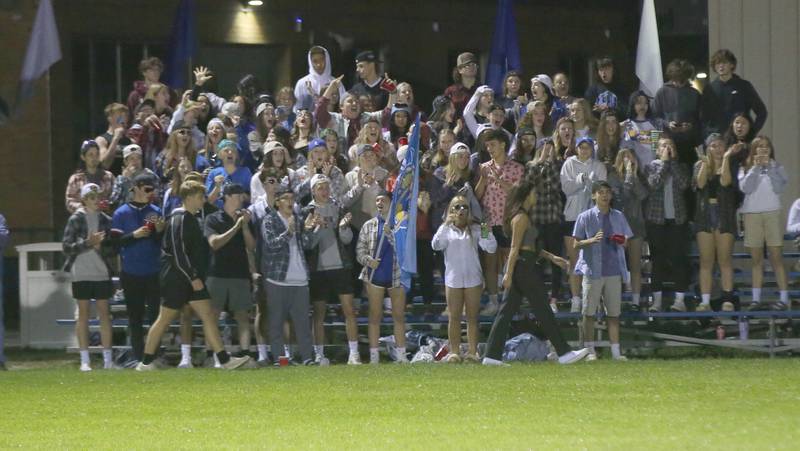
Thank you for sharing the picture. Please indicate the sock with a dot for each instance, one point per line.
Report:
(287, 351)
(493, 298)
(679, 295)
(756, 295)
(576, 299)
(635, 297)
(222, 357)
(107, 356)
(374, 356)
(615, 350)
(148, 358)
(706, 299)
(319, 350)
(784, 297)
(401, 354)
(186, 353)
(84, 356)
(353, 345)
(262, 352)
(590, 345)
(657, 299)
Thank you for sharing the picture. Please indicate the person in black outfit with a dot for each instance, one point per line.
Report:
(369, 81)
(729, 94)
(184, 255)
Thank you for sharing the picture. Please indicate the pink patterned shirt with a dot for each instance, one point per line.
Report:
(494, 198)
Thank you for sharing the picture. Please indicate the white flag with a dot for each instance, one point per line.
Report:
(43, 51)
(648, 53)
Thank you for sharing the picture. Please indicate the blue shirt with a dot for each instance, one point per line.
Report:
(384, 271)
(140, 257)
(241, 176)
(590, 258)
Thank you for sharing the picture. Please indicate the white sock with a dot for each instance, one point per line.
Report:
(108, 354)
(353, 345)
(216, 360)
(679, 295)
(374, 355)
(615, 353)
(706, 299)
(590, 345)
(635, 298)
(84, 356)
(186, 353)
(287, 351)
(657, 299)
(262, 352)
(784, 297)
(493, 298)
(319, 350)
(576, 299)
(756, 295)
(401, 353)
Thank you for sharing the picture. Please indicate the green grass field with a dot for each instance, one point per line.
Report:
(657, 404)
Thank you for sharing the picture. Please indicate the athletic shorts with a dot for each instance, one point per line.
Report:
(609, 288)
(328, 285)
(92, 290)
(760, 228)
(499, 235)
(177, 292)
(231, 293)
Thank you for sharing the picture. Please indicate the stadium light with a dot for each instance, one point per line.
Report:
(702, 75)
(254, 2)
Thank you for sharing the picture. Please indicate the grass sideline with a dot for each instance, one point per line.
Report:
(657, 404)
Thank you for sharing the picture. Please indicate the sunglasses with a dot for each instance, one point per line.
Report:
(272, 181)
(460, 207)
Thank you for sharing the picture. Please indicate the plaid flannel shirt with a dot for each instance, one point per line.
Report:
(275, 245)
(80, 178)
(365, 247)
(657, 172)
(76, 232)
(549, 208)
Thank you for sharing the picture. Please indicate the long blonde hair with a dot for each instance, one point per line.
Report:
(619, 162)
(172, 152)
(452, 173)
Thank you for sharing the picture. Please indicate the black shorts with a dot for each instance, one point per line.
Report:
(327, 285)
(92, 290)
(569, 227)
(177, 292)
(500, 237)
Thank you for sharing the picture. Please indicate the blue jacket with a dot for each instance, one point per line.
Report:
(590, 259)
(140, 257)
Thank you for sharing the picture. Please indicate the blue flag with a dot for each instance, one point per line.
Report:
(504, 55)
(403, 211)
(182, 45)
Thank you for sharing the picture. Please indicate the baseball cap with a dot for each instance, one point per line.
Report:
(273, 145)
(459, 147)
(466, 58)
(316, 142)
(89, 188)
(131, 149)
(317, 179)
(543, 79)
(367, 56)
(584, 139)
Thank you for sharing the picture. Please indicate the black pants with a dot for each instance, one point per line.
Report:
(526, 283)
(669, 254)
(142, 300)
(553, 242)
(425, 270)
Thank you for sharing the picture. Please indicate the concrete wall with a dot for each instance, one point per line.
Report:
(765, 37)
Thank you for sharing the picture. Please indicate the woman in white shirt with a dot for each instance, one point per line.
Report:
(762, 180)
(459, 239)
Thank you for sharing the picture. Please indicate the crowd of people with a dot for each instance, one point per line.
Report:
(270, 207)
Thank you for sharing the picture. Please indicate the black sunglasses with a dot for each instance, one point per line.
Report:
(460, 207)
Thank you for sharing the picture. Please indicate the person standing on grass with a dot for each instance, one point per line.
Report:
(459, 239)
(285, 271)
(184, 253)
(87, 244)
(601, 233)
(381, 274)
(524, 279)
(231, 241)
(4, 238)
(137, 227)
(331, 266)
(762, 179)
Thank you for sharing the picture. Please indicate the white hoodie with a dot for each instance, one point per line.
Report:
(576, 182)
(304, 100)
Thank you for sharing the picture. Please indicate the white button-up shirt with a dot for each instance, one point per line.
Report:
(462, 265)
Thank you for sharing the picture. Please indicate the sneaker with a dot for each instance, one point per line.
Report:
(654, 308)
(354, 359)
(490, 309)
(755, 306)
(322, 361)
(185, 365)
(621, 358)
(552, 356)
(446, 312)
(264, 363)
(402, 359)
(553, 306)
(493, 362)
(576, 305)
(591, 357)
(85, 367)
(142, 367)
(310, 362)
(780, 306)
(471, 358)
(452, 358)
(678, 306)
(236, 362)
(573, 356)
(702, 307)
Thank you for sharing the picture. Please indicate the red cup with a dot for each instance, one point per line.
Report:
(388, 86)
(151, 226)
(283, 361)
(617, 238)
(103, 204)
(441, 353)
(403, 141)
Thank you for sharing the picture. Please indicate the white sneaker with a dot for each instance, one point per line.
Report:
(446, 312)
(493, 362)
(185, 365)
(85, 367)
(573, 356)
(678, 306)
(553, 306)
(490, 309)
(552, 357)
(354, 359)
(591, 357)
(452, 358)
(621, 358)
(576, 305)
(236, 362)
(322, 361)
(142, 367)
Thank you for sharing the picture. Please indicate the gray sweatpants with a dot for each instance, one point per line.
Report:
(288, 303)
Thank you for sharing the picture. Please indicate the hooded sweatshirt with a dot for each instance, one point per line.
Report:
(304, 99)
(576, 182)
